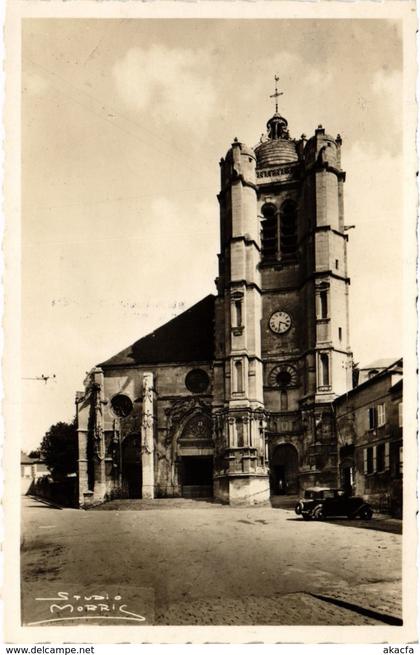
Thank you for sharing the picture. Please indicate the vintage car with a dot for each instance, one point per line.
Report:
(322, 502)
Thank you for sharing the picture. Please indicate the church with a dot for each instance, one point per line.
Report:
(233, 398)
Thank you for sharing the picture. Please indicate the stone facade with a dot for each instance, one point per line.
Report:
(234, 398)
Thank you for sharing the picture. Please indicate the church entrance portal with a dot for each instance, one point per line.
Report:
(131, 466)
(197, 477)
(284, 470)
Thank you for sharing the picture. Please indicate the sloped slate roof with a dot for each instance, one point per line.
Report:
(385, 362)
(186, 338)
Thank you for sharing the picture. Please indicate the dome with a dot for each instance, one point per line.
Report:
(276, 151)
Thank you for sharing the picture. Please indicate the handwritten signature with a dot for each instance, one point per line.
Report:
(93, 606)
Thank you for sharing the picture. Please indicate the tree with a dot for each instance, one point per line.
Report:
(59, 449)
(35, 454)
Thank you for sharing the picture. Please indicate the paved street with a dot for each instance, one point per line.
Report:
(201, 563)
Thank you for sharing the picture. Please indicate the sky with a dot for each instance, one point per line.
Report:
(123, 126)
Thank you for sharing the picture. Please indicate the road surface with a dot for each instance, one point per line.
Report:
(189, 562)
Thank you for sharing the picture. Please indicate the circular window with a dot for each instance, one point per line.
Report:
(121, 405)
(197, 381)
(283, 378)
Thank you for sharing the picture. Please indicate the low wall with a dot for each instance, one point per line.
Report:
(63, 493)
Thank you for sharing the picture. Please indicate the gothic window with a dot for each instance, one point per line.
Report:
(239, 377)
(238, 313)
(197, 381)
(121, 405)
(325, 369)
(288, 229)
(269, 238)
(198, 427)
(324, 303)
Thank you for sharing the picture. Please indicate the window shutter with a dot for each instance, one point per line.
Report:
(387, 456)
(374, 459)
(365, 460)
(381, 414)
(373, 417)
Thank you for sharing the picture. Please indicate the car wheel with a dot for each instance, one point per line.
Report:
(306, 517)
(318, 513)
(366, 513)
(298, 509)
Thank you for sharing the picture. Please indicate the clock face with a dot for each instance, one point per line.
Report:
(280, 322)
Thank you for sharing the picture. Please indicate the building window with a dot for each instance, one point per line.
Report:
(121, 405)
(336, 263)
(400, 415)
(238, 313)
(324, 303)
(340, 333)
(269, 239)
(197, 381)
(239, 377)
(381, 414)
(325, 369)
(400, 460)
(376, 416)
(368, 461)
(288, 229)
(380, 457)
(372, 417)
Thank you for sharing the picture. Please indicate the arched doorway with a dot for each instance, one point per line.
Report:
(131, 466)
(195, 457)
(284, 470)
(347, 468)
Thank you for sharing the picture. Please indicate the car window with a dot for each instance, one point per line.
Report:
(329, 494)
(311, 495)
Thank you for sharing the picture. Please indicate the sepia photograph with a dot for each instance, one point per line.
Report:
(216, 298)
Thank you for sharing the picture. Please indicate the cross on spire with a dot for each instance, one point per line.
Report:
(276, 93)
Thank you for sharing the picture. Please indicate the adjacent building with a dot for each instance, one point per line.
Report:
(369, 437)
(31, 470)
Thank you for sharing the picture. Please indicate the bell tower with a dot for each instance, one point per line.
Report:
(282, 326)
(304, 281)
(241, 474)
